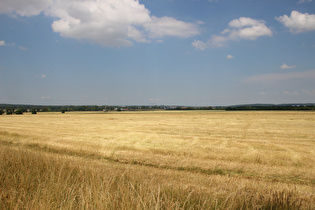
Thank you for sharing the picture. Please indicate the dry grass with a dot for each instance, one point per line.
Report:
(158, 160)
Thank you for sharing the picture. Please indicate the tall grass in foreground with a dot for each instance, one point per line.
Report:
(37, 180)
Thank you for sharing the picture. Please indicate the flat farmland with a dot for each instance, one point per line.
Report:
(158, 160)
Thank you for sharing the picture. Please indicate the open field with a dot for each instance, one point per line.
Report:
(158, 160)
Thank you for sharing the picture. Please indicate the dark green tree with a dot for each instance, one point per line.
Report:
(9, 111)
(19, 111)
(46, 109)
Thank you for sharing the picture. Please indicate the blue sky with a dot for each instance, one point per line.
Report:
(163, 52)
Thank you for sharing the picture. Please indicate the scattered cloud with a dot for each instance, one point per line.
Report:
(308, 92)
(168, 26)
(278, 77)
(3, 43)
(285, 66)
(45, 97)
(298, 22)
(23, 48)
(245, 28)
(41, 76)
(218, 41)
(303, 1)
(229, 56)
(291, 92)
(200, 45)
(241, 28)
(153, 100)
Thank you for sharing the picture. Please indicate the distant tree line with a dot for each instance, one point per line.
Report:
(10, 109)
(70, 108)
(189, 108)
(271, 107)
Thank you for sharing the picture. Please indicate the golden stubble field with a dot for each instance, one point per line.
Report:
(158, 160)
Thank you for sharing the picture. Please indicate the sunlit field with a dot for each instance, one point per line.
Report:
(158, 160)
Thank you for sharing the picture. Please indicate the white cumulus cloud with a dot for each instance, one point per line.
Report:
(105, 22)
(241, 28)
(247, 28)
(298, 22)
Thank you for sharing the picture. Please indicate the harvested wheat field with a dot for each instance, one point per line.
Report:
(158, 160)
